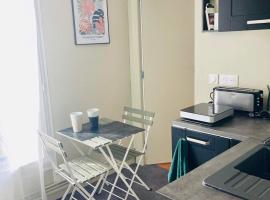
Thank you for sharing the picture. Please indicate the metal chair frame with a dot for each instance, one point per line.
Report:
(75, 175)
(146, 120)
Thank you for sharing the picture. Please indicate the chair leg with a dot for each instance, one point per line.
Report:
(96, 187)
(67, 191)
(83, 192)
(136, 175)
(103, 182)
(132, 180)
(117, 169)
(72, 194)
(143, 183)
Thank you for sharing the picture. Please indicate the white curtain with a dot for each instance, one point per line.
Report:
(24, 100)
(45, 115)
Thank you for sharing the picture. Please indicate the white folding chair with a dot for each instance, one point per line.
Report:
(134, 116)
(77, 171)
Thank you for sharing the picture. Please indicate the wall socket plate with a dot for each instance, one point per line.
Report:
(229, 80)
(213, 79)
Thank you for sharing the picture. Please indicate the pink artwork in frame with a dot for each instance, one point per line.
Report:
(91, 21)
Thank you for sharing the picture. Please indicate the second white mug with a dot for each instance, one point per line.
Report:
(76, 121)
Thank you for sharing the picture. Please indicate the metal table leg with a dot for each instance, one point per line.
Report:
(117, 169)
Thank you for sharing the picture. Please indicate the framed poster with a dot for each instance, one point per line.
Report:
(90, 18)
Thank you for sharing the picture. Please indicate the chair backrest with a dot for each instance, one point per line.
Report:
(138, 116)
(50, 143)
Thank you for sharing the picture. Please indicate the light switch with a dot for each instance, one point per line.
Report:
(213, 79)
(228, 80)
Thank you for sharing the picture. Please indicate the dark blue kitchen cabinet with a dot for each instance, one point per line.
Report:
(239, 15)
(201, 146)
(234, 142)
(177, 134)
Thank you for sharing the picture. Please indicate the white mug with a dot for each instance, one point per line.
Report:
(76, 121)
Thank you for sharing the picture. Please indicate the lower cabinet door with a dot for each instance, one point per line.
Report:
(198, 155)
(177, 134)
(202, 146)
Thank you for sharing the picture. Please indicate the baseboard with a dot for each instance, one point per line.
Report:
(165, 165)
(53, 191)
(57, 190)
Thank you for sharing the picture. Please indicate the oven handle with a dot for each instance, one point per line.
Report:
(262, 21)
(201, 142)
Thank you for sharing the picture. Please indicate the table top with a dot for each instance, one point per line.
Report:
(109, 130)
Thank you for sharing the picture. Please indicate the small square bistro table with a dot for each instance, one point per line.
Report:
(109, 131)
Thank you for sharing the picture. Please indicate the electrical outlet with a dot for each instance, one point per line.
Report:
(213, 79)
(228, 80)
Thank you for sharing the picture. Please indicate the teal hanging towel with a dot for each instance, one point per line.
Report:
(179, 166)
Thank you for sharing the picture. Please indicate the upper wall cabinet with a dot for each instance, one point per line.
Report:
(237, 15)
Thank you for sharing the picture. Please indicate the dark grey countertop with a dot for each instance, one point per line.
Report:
(250, 131)
(239, 127)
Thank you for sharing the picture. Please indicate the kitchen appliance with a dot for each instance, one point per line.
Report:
(242, 99)
(206, 113)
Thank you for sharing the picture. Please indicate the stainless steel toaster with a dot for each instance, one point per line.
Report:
(242, 99)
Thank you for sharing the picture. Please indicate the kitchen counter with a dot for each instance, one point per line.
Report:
(239, 127)
(250, 131)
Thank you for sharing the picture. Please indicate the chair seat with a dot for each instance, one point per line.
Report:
(119, 152)
(85, 168)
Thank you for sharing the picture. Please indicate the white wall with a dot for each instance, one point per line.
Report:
(245, 53)
(98, 75)
(82, 77)
(168, 43)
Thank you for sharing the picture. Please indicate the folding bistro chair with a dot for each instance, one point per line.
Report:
(134, 116)
(77, 171)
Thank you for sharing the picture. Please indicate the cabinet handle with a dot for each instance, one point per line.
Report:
(262, 21)
(201, 142)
